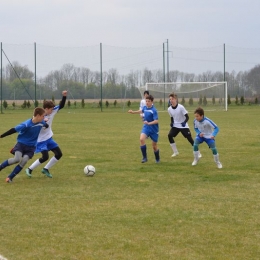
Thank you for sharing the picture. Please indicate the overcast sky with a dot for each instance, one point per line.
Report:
(131, 23)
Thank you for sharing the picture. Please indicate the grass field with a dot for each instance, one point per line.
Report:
(130, 210)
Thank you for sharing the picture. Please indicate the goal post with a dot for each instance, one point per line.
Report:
(209, 95)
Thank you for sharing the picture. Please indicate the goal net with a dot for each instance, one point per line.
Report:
(209, 95)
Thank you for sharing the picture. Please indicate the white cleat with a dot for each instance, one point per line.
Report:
(219, 165)
(200, 155)
(194, 162)
(175, 154)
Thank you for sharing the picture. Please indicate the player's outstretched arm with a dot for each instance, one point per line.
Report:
(9, 132)
(63, 101)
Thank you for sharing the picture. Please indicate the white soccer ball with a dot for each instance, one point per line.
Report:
(89, 170)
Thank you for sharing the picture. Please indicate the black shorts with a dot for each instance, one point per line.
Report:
(24, 149)
(175, 131)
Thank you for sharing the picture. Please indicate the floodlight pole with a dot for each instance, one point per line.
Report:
(1, 80)
(164, 75)
(35, 74)
(101, 77)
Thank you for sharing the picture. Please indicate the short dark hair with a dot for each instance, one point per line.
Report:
(146, 92)
(48, 104)
(199, 111)
(173, 95)
(150, 97)
(38, 111)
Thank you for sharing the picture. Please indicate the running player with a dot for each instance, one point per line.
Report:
(45, 141)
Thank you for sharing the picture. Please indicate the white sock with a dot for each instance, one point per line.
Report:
(35, 164)
(216, 158)
(52, 161)
(174, 148)
(196, 155)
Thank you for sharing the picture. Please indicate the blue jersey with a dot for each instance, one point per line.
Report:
(150, 114)
(28, 132)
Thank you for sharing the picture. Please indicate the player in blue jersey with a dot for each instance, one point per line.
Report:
(206, 131)
(150, 128)
(28, 132)
(45, 142)
(179, 123)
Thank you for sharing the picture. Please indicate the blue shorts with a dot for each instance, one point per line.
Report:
(24, 149)
(46, 145)
(206, 140)
(154, 136)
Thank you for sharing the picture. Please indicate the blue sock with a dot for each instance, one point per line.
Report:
(143, 150)
(15, 171)
(157, 156)
(3, 165)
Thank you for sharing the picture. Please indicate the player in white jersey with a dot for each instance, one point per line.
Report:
(143, 103)
(45, 142)
(179, 118)
(206, 131)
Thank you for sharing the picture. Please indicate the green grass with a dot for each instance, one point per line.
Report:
(130, 210)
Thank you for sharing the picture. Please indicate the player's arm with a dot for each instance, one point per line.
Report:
(216, 130)
(9, 132)
(154, 122)
(135, 112)
(63, 101)
(186, 120)
(172, 122)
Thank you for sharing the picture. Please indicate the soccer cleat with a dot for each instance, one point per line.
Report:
(175, 154)
(1, 167)
(8, 180)
(157, 161)
(28, 172)
(194, 162)
(46, 172)
(219, 165)
(144, 160)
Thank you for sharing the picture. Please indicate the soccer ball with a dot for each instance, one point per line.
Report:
(89, 170)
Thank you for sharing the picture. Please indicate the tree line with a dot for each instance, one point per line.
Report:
(18, 82)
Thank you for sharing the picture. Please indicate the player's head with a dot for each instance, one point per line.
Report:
(38, 114)
(199, 114)
(146, 93)
(48, 105)
(173, 98)
(149, 100)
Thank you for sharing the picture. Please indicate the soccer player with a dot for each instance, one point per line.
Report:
(28, 132)
(45, 142)
(206, 131)
(150, 128)
(179, 118)
(143, 103)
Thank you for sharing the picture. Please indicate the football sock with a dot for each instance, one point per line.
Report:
(52, 161)
(4, 164)
(35, 164)
(15, 171)
(157, 156)
(174, 148)
(143, 150)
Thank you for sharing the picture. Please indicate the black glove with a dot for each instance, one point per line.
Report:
(183, 124)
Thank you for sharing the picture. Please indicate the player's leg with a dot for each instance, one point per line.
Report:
(187, 134)
(198, 140)
(171, 135)
(212, 146)
(18, 167)
(143, 137)
(154, 138)
(17, 157)
(35, 164)
(57, 155)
